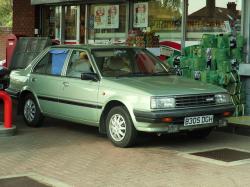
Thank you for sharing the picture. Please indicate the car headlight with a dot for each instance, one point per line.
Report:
(222, 98)
(162, 102)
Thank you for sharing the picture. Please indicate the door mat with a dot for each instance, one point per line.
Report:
(21, 182)
(224, 154)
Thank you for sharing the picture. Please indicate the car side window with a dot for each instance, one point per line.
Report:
(52, 63)
(79, 63)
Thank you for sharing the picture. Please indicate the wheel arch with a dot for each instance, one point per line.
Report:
(22, 95)
(111, 104)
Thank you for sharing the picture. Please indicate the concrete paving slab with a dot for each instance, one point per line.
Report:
(77, 155)
(36, 181)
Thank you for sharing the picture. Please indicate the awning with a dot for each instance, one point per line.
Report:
(39, 2)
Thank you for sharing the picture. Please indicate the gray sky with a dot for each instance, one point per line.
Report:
(195, 5)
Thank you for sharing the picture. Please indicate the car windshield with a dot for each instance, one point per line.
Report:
(119, 62)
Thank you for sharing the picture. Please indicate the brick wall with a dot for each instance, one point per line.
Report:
(23, 18)
(4, 32)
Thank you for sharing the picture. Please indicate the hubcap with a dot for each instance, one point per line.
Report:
(117, 127)
(29, 110)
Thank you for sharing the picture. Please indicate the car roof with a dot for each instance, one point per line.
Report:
(90, 47)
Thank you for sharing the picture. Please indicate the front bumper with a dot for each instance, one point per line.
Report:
(152, 121)
(156, 116)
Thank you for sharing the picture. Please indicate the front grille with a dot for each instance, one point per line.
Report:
(194, 101)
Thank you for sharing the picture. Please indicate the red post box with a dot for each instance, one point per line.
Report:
(10, 47)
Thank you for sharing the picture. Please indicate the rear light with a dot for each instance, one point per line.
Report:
(226, 114)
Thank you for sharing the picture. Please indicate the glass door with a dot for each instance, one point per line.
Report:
(82, 23)
(52, 22)
(72, 24)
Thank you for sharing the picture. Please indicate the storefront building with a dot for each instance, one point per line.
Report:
(108, 21)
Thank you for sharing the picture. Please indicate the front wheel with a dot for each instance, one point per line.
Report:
(120, 128)
(31, 112)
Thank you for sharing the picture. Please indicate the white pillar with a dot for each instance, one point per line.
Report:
(246, 26)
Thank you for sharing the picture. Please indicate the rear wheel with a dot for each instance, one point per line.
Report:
(200, 134)
(31, 112)
(120, 128)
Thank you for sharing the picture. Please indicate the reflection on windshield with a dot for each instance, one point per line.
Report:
(127, 62)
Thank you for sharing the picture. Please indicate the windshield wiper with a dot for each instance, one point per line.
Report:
(136, 74)
(161, 73)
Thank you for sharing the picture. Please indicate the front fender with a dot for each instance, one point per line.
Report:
(127, 101)
(25, 90)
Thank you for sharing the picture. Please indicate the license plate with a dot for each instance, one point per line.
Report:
(198, 120)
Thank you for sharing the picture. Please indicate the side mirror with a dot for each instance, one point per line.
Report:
(90, 76)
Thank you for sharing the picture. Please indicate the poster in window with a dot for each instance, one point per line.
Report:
(141, 15)
(106, 17)
(100, 17)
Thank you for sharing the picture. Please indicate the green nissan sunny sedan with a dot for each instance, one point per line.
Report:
(120, 90)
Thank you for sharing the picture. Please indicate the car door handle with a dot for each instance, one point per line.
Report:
(66, 84)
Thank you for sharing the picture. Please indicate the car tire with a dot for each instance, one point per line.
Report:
(200, 134)
(31, 112)
(120, 128)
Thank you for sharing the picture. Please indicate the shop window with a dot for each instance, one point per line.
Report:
(51, 22)
(161, 16)
(108, 22)
(213, 16)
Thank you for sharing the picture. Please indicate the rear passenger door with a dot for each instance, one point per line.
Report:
(78, 98)
(46, 77)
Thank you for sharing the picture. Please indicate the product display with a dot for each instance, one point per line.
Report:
(240, 41)
(236, 54)
(224, 66)
(223, 41)
(215, 61)
(142, 39)
(209, 41)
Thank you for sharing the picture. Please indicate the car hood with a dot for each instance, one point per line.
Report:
(165, 85)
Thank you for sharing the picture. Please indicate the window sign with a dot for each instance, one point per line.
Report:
(141, 15)
(106, 17)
